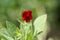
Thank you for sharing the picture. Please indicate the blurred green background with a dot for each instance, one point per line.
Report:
(12, 9)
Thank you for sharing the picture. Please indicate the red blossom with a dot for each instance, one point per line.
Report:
(27, 15)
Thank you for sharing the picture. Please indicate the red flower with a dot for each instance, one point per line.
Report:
(27, 15)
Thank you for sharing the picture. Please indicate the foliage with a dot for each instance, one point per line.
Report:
(25, 32)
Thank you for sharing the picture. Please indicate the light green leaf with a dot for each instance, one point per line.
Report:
(11, 28)
(30, 35)
(39, 24)
(5, 35)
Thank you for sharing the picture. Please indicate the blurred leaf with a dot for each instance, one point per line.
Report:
(39, 24)
(30, 36)
(5, 35)
(11, 28)
(38, 33)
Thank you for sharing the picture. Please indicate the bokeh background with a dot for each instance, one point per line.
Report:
(12, 9)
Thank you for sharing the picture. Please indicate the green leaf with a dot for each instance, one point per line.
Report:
(5, 35)
(38, 33)
(11, 28)
(39, 24)
(30, 35)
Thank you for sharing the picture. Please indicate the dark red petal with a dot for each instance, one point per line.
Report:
(27, 16)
